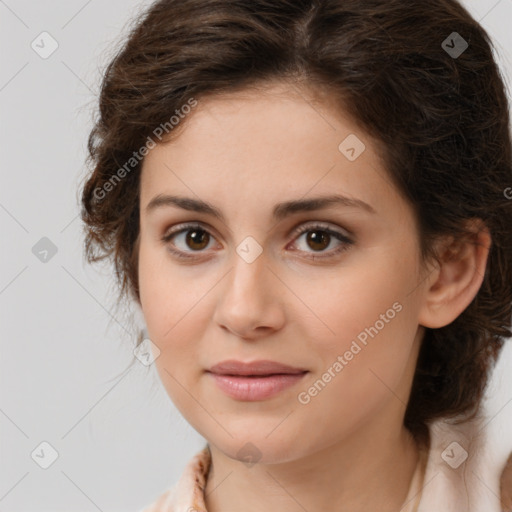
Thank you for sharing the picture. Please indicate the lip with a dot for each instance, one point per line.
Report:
(257, 380)
(262, 367)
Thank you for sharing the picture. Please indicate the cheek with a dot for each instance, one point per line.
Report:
(155, 295)
(168, 315)
(357, 379)
(175, 312)
(167, 292)
(357, 302)
(366, 337)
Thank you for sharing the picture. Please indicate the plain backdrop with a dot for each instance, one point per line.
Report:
(112, 441)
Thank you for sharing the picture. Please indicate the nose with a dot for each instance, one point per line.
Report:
(249, 304)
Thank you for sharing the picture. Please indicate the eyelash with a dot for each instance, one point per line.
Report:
(182, 228)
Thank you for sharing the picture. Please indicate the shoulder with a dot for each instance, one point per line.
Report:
(464, 469)
(188, 492)
(506, 486)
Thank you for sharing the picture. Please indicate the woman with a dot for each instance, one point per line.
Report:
(307, 200)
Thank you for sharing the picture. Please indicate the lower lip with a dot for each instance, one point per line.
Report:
(255, 388)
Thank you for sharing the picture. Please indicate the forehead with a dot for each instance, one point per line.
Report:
(273, 143)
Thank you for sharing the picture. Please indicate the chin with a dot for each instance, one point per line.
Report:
(258, 448)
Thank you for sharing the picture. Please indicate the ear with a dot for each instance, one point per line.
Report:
(457, 276)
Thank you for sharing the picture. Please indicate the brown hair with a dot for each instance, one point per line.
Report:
(441, 120)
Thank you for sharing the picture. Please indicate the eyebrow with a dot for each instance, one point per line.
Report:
(280, 211)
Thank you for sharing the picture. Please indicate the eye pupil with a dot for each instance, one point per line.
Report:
(199, 236)
(319, 242)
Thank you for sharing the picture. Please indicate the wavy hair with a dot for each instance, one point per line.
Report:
(438, 111)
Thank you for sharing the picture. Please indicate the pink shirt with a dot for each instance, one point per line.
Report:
(457, 475)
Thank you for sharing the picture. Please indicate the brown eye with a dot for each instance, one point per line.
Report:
(188, 240)
(318, 239)
(197, 239)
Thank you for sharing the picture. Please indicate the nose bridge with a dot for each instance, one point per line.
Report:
(249, 266)
(248, 298)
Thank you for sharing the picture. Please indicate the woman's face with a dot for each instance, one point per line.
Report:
(333, 289)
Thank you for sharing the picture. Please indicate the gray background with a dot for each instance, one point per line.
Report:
(119, 439)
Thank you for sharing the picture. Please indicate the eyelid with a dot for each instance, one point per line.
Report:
(344, 236)
(303, 226)
(307, 226)
(184, 226)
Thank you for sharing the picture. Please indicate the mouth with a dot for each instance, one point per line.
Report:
(254, 368)
(256, 381)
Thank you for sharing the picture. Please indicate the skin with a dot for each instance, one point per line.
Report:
(506, 486)
(347, 448)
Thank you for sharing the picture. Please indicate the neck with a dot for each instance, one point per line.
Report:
(370, 470)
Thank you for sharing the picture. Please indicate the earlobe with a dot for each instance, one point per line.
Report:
(454, 283)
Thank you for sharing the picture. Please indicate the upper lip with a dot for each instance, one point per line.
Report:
(262, 367)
